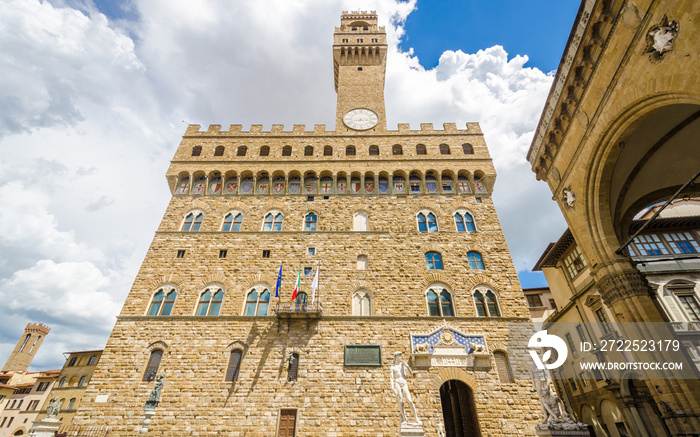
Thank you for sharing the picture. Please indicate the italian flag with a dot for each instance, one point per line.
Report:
(296, 285)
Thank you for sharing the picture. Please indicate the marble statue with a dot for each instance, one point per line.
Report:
(663, 39)
(53, 409)
(399, 385)
(569, 198)
(553, 408)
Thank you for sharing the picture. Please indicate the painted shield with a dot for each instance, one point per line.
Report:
(369, 187)
(198, 188)
(231, 186)
(294, 185)
(247, 186)
(215, 186)
(342, 186)
(383, 185)
(326, 187)
(310, 186)
(184, 187)
(355, 186)
(431, 187)
(278, 188)
(463, 186)
(399, 187)
(479, 188)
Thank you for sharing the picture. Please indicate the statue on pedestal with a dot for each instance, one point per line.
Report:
(154, 399)
(553, 409)
(400, 387)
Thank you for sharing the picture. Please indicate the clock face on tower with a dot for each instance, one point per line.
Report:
(360, 119)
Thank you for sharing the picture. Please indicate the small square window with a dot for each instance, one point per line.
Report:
(326, 197)
(266, 254)
(180, 253)
(307, 271)
(223, 253)
(478, 200)
(359, 68)
(312, 251)
(310, 199)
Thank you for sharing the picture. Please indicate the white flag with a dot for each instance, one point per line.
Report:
(314, 286)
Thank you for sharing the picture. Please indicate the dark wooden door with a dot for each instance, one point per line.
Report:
(288, 422)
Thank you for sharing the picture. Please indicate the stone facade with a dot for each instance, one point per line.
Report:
(367, 240)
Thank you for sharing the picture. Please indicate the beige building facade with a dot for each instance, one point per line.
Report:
(400, 227)
(619, 133)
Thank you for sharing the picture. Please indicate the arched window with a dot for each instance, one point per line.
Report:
(62, 382)
(293, 367)
(420, 149)
(475, 262)
(193, 221)
(427, 222)
(153, 364)
(396, 149)
(273, 221)
(234, 365)
(310, 222)
(162, 303)
(503, 367)
(439, 302)
(327, 151)
(434, 261)
(361, 303)
(308, 151)
(210, 302)
(300, 301)
(232, 223)
(468, 149)
(71, 404)
(444, 149)
(464, 222)
(196, 150)
(257, 302)
(219, 151)
(265, 151)
(350, 151)
(486, 304)
(287, 151)
(60, 404)
(242, 150)
(92, 361)
(360, 222)
(374, 150)
(26, 339)
(82, 381)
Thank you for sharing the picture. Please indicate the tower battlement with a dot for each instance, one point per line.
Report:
(38, 328)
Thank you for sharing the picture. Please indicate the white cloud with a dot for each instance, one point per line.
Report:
(92, 114)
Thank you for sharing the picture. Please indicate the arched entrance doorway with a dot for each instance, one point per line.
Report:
(458, 409)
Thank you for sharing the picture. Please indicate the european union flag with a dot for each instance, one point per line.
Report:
(279, 283)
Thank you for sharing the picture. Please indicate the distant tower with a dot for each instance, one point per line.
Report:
(26, 348)
(359, 67)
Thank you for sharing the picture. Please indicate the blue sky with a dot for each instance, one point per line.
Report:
(536, 28)
(94, 96)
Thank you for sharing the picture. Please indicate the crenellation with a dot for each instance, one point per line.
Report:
(256, 128)
(404, 128)
(319, 129)
(427, 127)
(213, 129)
(277, 128)
(299, 129)
(234, 129)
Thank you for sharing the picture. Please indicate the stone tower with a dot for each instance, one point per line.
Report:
(401, 229)
(359, 67)
(27, 346)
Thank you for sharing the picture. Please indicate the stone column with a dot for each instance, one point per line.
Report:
(633, 303)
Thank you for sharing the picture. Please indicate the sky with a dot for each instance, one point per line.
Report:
(95, 96)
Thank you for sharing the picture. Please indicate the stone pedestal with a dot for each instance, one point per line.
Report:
(569, 429)
(147, 415)
(411, 430)
(44, 427)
